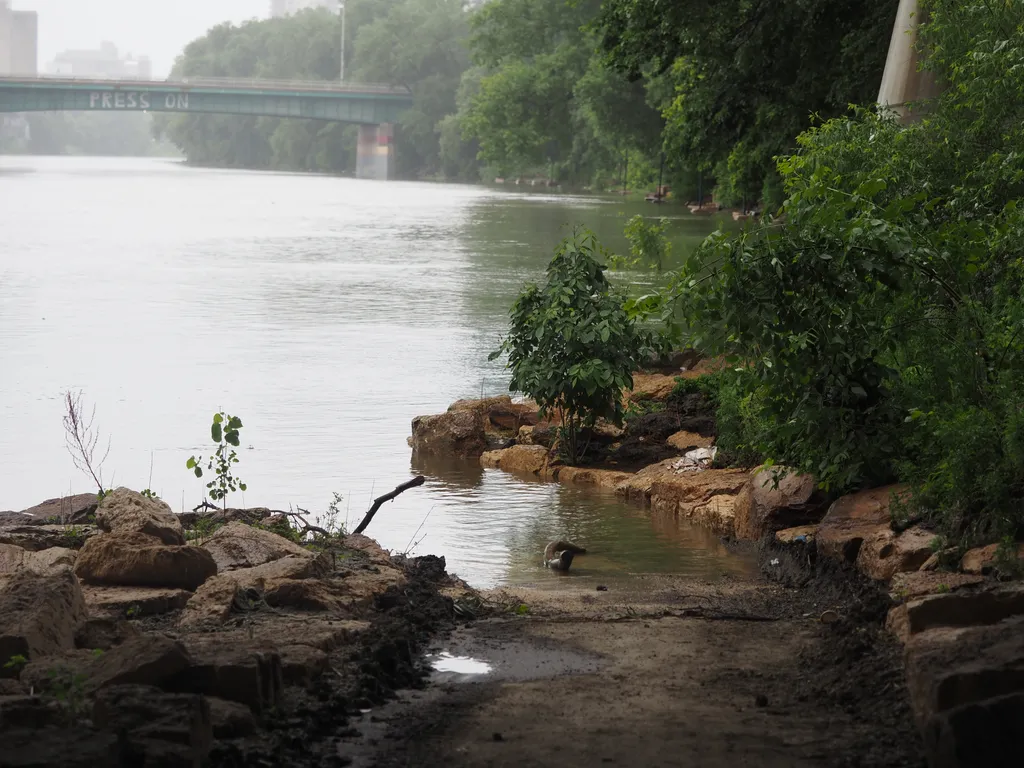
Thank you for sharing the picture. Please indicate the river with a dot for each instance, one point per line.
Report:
(326, 313)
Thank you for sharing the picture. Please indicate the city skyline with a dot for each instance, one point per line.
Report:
(156, 31)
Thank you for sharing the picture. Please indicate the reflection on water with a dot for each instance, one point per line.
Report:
(462, 665)
(327, 313)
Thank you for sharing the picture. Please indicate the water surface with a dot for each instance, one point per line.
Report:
(326, 313)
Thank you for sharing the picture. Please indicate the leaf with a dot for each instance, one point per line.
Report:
(218, 418)
(241, 486)
(215, 432)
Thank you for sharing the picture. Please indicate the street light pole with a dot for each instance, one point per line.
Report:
(341, 76)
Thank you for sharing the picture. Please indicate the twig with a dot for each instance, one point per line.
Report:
(81, 440)
(411, 546)
(418, 480)
(205, 505)
(306, 527)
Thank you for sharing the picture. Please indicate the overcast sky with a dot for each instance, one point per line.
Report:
(155, 28)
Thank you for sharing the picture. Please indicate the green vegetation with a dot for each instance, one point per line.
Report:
(571, 345)
(224, 432)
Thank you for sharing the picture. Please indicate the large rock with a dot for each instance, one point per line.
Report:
(983, 734)
(104, 632)
(14, 558)
(707, 498)
(775, 499)
(39, 614)
(982, 560)
(133, 602)
(651, 386)
(638, 487)
(230, 719)
(125, 511)
(686, 441)
(238, 545)
(36, 538)
(218, 598)
(956, 609)
(602, 478)
(65, 509)
(522, 459)
(885, 553)
(852, 519)
(456, 433)
(135, 559)
(242, 672)
(919, 583)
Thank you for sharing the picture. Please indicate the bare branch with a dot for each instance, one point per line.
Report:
(81, 439)
(418, 480)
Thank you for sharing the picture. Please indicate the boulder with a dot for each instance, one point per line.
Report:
(240, 672)
(686, 441)
(651, 386)
(65, 746)
(776, 499)
(39, 614)
(302, 664)
(218, 598)
(482, 405)
(66, 509)
(522, 459)
(919, 583)
(154, 727)
(801, 533)
(237, 545)
(706, 498)
(125, 511)
(956, 609)
(46, 561)
(136, 559)
(230, 719)
(36, 538)
(456, 433)
(601, 478)
(852, 519)
(24, 711)
(885, 553)
(133, 602)
(103, 633)
(982, 560)
(983, 734)
(637, 488)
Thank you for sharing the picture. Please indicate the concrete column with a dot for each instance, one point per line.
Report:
(375, 153)
(902, 82)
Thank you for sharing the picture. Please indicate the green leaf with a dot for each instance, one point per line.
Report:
(217, 418)
(215, 432)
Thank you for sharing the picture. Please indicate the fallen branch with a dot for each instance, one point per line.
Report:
(306, 527)
(418, 480)
(205, 506)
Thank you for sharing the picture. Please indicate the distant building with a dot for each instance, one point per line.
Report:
(105, 61)
(19, 36)
(280, 8)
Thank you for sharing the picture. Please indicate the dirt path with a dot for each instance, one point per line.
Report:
(673, 673)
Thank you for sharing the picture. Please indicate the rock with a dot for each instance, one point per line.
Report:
(369, 548)
(134, 602)
(804, 533)
(637, 488)
(685, 441)
(10, 687)
(982, 560)
(302, 664)
(23, 711)
(956, 609)
(853, 518)
(236, 672)
(135, 559)
(125, 511)
(230, 719)
(484, 405)
(61, 745)
(104, 633)
(156, 728)
(66, 509)
(762, 507)
(602, 478)
(985, 734)
(217, 599)
(39, 614)
(456, 433)
(884, 553)
(706, 498)
(36, 538)
(523, 459)
(919, 583)
(238, 545)
(47, 561)
(307, 595)
(651, 386)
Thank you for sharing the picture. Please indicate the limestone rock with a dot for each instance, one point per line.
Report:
(125, 511)
(920, 583)
(46, 561)
(215, 600)
(456, 433)
(484, 405)
(956, 609)
(982, 560)
(804, 533)
(104, 632)
(36, 538)
(238, 545)
(852, 519)
(237, 672)
(66, 509)
(523, 459)
(983, 734)
(301, 664)
(706, 498)
(230, 719)
(133, 602)
(602, 478)
(135, 559)
(885, 553)
(762, 507)
(637, 488)
(685, 441)
(39, 614)
(651, 386)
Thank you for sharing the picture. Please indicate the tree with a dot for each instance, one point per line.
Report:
(571, 346)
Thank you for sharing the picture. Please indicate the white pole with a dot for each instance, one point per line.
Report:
(341, 76)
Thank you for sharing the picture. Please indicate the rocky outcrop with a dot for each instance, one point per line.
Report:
(65, 509)
(237, 672)
(455, 433)
(983, 560)
(134, 602)
(125, 511)
(885, 553)
(238, 545)
(36, 538)
(920, 583)
(651, 386)
(707, 498)
(956, 610)
(684, 441)
(39, 614)
(215, 600)
(602, 478)
(104, 632)
(775, 499)
(852, 519)
(44, 562)
(522, 459)
(135, 559)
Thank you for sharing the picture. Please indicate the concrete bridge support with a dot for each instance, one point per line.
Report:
(903, 82)
(375, 152)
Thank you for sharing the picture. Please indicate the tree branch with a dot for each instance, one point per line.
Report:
(418, 480)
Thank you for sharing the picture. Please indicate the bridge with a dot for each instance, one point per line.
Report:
(373, 107)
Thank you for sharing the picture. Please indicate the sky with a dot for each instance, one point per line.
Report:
(155, 28)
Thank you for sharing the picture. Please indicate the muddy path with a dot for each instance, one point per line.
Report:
(668, 673)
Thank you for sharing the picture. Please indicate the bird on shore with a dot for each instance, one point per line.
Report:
(558, 555)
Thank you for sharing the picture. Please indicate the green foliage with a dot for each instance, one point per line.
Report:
(202, 530)
(879, 323)
(149, 494)
(224, 432)
(571, 345)
(647, 242)
(16, 663)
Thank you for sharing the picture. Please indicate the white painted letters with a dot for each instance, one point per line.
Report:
(182, 101)
(134, 100)
(106, 101)
(93, 98)
(169, 101)
(144, 100)
(119, 100)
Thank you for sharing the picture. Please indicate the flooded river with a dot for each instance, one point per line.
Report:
(326, 313)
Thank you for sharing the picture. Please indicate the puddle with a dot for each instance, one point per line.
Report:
(466, 659)
(460, 665)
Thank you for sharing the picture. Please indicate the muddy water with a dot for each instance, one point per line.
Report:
(325, 312)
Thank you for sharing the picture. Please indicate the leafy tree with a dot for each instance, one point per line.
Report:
(571, 346)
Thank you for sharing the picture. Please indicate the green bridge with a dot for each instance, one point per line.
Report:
(374, 108)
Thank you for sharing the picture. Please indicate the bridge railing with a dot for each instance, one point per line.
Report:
(219, 82)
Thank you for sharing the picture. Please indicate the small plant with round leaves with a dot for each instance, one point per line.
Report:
(224, 432)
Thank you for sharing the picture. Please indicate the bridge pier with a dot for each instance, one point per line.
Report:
(375, 153)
